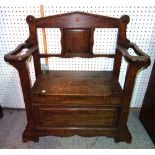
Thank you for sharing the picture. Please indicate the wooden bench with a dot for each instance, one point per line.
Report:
(85, 103)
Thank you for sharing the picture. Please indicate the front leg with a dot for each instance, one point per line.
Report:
(30, 134)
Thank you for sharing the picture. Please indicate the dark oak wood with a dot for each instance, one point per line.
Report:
(85, 55)
(77, 20)
(69, 83)
(67, 103)
(76, 117)
(147, 113)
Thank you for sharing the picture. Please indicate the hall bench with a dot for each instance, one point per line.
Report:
(85, 103)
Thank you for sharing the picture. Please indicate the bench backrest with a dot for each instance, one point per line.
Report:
(77, 32)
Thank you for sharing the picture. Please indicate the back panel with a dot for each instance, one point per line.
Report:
(76, 42)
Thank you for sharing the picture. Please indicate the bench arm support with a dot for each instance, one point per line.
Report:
(19, 61)
(14, 56)
(135, 63)
(142, 58)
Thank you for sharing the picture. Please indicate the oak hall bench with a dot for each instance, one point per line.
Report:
(85, 103)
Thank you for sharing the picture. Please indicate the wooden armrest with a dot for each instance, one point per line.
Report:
(13, 55)
(141, 58)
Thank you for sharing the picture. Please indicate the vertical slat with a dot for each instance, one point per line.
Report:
(33, 39)
(117, 63)
(44, 33)
(91, 39)
(121, 40)
(121, 37)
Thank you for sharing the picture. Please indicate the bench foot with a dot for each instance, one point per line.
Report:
(29, 135)
(123, 135)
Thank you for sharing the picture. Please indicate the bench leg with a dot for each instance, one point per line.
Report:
(29, 134)
(123, 135)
